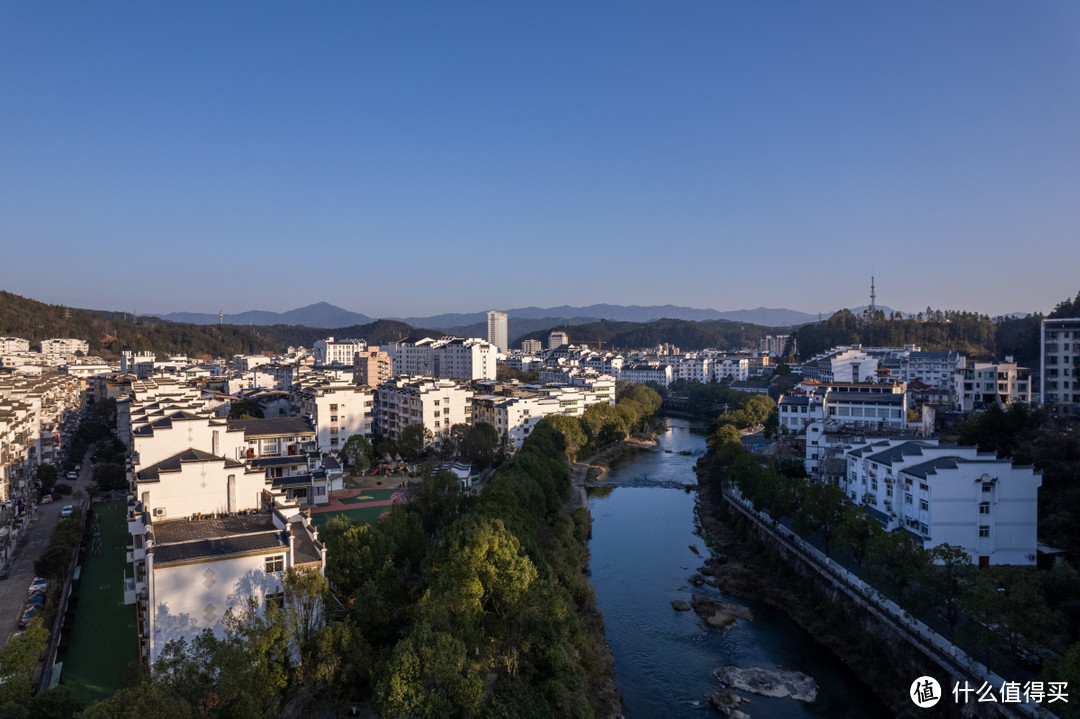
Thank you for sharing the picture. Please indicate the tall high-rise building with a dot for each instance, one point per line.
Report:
(1059, 365)
(497, 330)
(558, 339)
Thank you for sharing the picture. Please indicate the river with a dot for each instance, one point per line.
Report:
(644, 525)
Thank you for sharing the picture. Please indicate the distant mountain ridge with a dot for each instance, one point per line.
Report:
(323, 314)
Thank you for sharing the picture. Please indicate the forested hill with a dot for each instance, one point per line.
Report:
(110, 332)
(975, 335)
(684, 334)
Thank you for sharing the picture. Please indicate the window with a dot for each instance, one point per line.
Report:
(984, 508)
(275, 564)
(908, 499)
(275, 599)
(984, 530)
(924, 505)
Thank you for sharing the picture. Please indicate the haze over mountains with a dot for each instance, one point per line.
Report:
(323, 314)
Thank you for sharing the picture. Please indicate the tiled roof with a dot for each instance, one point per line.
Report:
(272, 426)
(176, 462)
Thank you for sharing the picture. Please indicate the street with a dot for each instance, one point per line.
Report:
(14, 590)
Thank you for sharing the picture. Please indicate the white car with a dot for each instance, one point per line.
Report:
(40, 584)
(67, 510)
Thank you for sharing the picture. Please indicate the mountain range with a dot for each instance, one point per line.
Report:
(323, 314)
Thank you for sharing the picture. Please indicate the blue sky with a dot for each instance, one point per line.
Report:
(408, 158)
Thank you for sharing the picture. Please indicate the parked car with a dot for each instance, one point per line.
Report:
(72, 475)
(40, 584)
(67, 511)
(36, 600)
(28, 614)
(47, 499)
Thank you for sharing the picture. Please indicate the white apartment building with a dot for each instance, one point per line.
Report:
(662, 374)
(982, 384)
(514, 416)
(730, 369)
(558, 339)
(1059, 362)
(438, 404)
(947, 494)
(411, 356)
(243, 363)
(497, 330)
(338, 412)
(468, 359)
(13, 345)
(57, 349)
(841, 364)
(339, 353)
(694, 368)
(532, 347)
(203, 541)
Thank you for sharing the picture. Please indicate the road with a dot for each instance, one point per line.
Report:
(14, 590)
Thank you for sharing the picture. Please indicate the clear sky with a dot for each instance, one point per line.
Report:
(412, 158)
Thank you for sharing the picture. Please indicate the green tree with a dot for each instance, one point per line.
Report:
(821, 510)
(571, 431)
(413, 440)
(896, 565)
(359, 453)
(856, 532)
(480, 443)
(18, 660)
(245, 409)
(1008, 609)
(146, 700)
(46, 477)
(950, 580)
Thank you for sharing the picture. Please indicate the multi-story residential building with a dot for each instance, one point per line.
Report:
(662, 374)
(497, 330)
(372, 367)
(338, 412)
(244, 363)
(694, 368)
(935, 369)
(468, 359)
(1059, 365)
(773, 344)
(532, 347)
(557, 339)
(514, 416)
(947, 494)
(841, 364)
(204, 540)
(64, 348)
(438, 404)
(411, 356)
(982, 384)
(13, 345)
(337, 353)
(730, 369)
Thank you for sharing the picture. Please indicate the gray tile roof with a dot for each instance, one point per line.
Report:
(271, 427)
(176, 462)
(180, 539)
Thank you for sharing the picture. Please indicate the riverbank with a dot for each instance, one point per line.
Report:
(595, 467)
(751, 570)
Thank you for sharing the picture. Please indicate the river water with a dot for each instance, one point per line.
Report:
(644, 526)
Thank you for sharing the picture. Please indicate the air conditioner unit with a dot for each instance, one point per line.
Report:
(159, 511)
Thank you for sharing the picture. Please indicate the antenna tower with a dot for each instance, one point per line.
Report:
(873, 296)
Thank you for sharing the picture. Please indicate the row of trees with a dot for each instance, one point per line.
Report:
(602, 424)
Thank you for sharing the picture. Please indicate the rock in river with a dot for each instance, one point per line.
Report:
(679, 605)
(769, 683)
(720, 614)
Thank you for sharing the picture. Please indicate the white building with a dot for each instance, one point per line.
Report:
(13, 345)
(730, 369)
(468, 359)
(1059, 362)
(532, 347)
(58, 349)
(339, 353)
(947, 494)
(662, 374)
(841, 364)
(558, 339)
(497, 330)
(980, 385)
(438, 404)
(338, 412)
